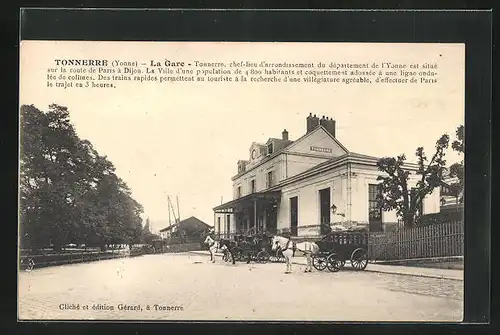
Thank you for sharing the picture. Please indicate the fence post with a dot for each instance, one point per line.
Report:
(452, 231)
(411, 243)
(454, 238)
(462, 240)
(442, 238)
(399, 242)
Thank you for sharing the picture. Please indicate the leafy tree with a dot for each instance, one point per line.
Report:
(394, 191)
(457, 169)
(68, 192)
(47, 173)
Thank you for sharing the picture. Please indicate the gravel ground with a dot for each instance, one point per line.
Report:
(188, 287)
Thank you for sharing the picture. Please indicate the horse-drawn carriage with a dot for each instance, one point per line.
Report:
(255, 247)
(338, 247)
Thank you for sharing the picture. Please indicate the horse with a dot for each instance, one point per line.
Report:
(228, 246)
(213, 246)
(289, 247)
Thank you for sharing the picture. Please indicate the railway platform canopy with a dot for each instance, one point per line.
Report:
(257, 211)
(268, 200)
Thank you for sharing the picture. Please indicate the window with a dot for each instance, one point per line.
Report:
(252, 186)
(269, 148)
(374, 212)
(270, 179)
(238, 192)
(228, 224)
(218, 225)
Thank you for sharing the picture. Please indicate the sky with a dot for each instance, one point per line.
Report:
(184, 139)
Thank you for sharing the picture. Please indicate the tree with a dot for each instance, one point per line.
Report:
(457, 169)
(68, 192)
(394, 191)
(147, 236)
(48, 175)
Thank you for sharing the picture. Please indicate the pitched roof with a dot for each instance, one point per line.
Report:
(191, 223)
(286, 144)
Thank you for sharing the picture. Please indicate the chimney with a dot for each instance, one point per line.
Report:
(329, 125)
(309, 121)
(332, 125)
(284, 135)
(324, 122)
(312, 122)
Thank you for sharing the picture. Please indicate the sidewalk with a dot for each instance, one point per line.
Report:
(390, 269)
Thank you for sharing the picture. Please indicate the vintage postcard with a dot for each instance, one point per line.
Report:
(222, 181)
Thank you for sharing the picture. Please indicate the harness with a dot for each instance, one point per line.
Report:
(211, 244)
(287, 245)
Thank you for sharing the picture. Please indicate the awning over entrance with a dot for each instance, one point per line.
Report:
(263, 199)
(256, 212)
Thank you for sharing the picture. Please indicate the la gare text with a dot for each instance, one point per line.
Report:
(105, 62)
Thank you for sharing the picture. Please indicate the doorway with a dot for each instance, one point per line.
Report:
(271, 221)
(294, 217)
(324, 210)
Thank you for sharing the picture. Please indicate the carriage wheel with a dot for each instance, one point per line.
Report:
(281, 258)
(237, 255)
(273, 258)
(332, 263)
(359, 259)
(276, 257)
(31, 264)
(230, 257)
(263, 256)
(342, 263)
(319, 262)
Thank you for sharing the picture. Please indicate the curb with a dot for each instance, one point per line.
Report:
(399, 273)
(369, 270)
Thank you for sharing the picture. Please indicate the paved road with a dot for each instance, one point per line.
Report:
(187, 287)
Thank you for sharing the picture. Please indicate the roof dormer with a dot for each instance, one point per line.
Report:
(257, 151)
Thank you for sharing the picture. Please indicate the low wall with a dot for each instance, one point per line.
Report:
(54, 259)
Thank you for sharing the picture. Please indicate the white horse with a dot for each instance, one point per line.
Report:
(213, 246)
(289, 247)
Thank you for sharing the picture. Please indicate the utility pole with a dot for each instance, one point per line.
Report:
(169, 218)
(173, 210)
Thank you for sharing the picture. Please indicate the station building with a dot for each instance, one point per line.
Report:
(300, 184)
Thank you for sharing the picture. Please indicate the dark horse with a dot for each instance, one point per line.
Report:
(229, 247)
